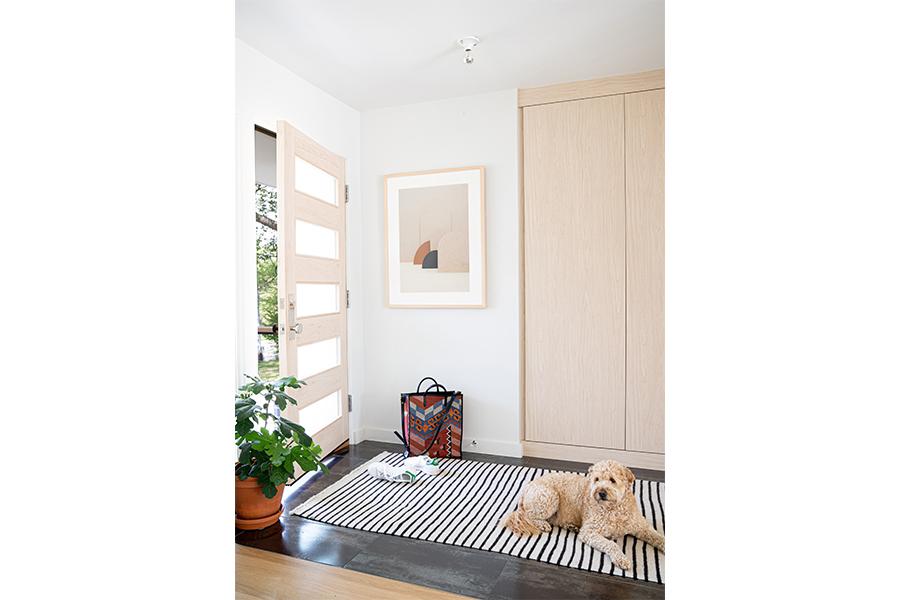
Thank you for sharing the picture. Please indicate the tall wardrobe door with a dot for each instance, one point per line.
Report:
(574, 245)
(645, 259)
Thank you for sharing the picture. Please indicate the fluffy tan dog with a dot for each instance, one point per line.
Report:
(601, 507)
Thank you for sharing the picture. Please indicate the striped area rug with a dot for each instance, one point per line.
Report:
(461, 507)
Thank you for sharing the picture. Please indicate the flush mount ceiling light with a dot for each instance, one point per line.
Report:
(468, 43)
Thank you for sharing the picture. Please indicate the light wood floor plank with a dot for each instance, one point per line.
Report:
(261, 575)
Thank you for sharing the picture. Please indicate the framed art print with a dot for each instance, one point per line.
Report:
(434, 239)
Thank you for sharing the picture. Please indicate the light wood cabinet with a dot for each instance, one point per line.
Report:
(575, 283)
(593, 270)
(645, 271)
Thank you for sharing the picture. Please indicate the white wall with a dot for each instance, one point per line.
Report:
(266, 93)
(474, 350)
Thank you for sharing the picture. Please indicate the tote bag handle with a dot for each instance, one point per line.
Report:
(419, 387)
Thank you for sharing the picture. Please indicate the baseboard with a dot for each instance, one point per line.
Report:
(356, 436)
(586, 454)
(483, 446)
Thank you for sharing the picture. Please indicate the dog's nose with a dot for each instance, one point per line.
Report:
(602, 494)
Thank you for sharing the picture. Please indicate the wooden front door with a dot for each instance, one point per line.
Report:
(312, 284)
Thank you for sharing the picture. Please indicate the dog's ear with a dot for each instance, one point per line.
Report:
(629, 475)
(596, 469)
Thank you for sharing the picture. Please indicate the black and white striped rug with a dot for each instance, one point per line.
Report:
(461, 507)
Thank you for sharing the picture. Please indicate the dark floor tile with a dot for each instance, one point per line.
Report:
(649, 474)
(527, 580)
(549, 463)
(440, 566)
(369, 449)
(309, 540)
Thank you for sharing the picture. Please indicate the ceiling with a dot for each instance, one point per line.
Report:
(383, 53)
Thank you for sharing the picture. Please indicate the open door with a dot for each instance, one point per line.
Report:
(312, 284)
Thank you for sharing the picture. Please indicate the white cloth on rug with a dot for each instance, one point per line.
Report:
(380, 470)
(423, 464)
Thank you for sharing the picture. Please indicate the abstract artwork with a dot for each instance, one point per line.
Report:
(435, 238)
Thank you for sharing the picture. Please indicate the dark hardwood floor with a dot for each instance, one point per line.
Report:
(464, 571)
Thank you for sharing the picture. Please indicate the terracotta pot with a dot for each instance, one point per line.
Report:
(252, 510)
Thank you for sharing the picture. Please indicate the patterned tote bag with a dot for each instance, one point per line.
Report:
(431, 421)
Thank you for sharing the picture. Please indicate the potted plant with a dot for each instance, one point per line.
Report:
(271, 447)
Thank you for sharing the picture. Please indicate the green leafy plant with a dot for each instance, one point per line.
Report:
(270, 444)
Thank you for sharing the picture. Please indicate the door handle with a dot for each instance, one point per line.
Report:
(296, 328)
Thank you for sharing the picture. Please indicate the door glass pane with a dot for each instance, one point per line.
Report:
(266, 275)
(315, 240)
(321, 413)
(317, 299)
(317, 357)
(315, 182)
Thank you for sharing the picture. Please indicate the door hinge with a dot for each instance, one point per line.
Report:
(349, 402)
(347, 194)
(348, 298)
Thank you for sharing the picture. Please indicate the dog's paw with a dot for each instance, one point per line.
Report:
(623, 562)
(544, 526)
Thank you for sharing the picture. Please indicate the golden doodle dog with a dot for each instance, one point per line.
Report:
(601, 507)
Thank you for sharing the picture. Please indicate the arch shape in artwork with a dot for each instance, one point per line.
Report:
(431, 260)
(424, 249)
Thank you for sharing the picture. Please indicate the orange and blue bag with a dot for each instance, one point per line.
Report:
(431, 421)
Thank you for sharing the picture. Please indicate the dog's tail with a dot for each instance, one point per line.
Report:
(517, 522)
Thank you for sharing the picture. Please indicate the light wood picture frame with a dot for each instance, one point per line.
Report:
(434, 239)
